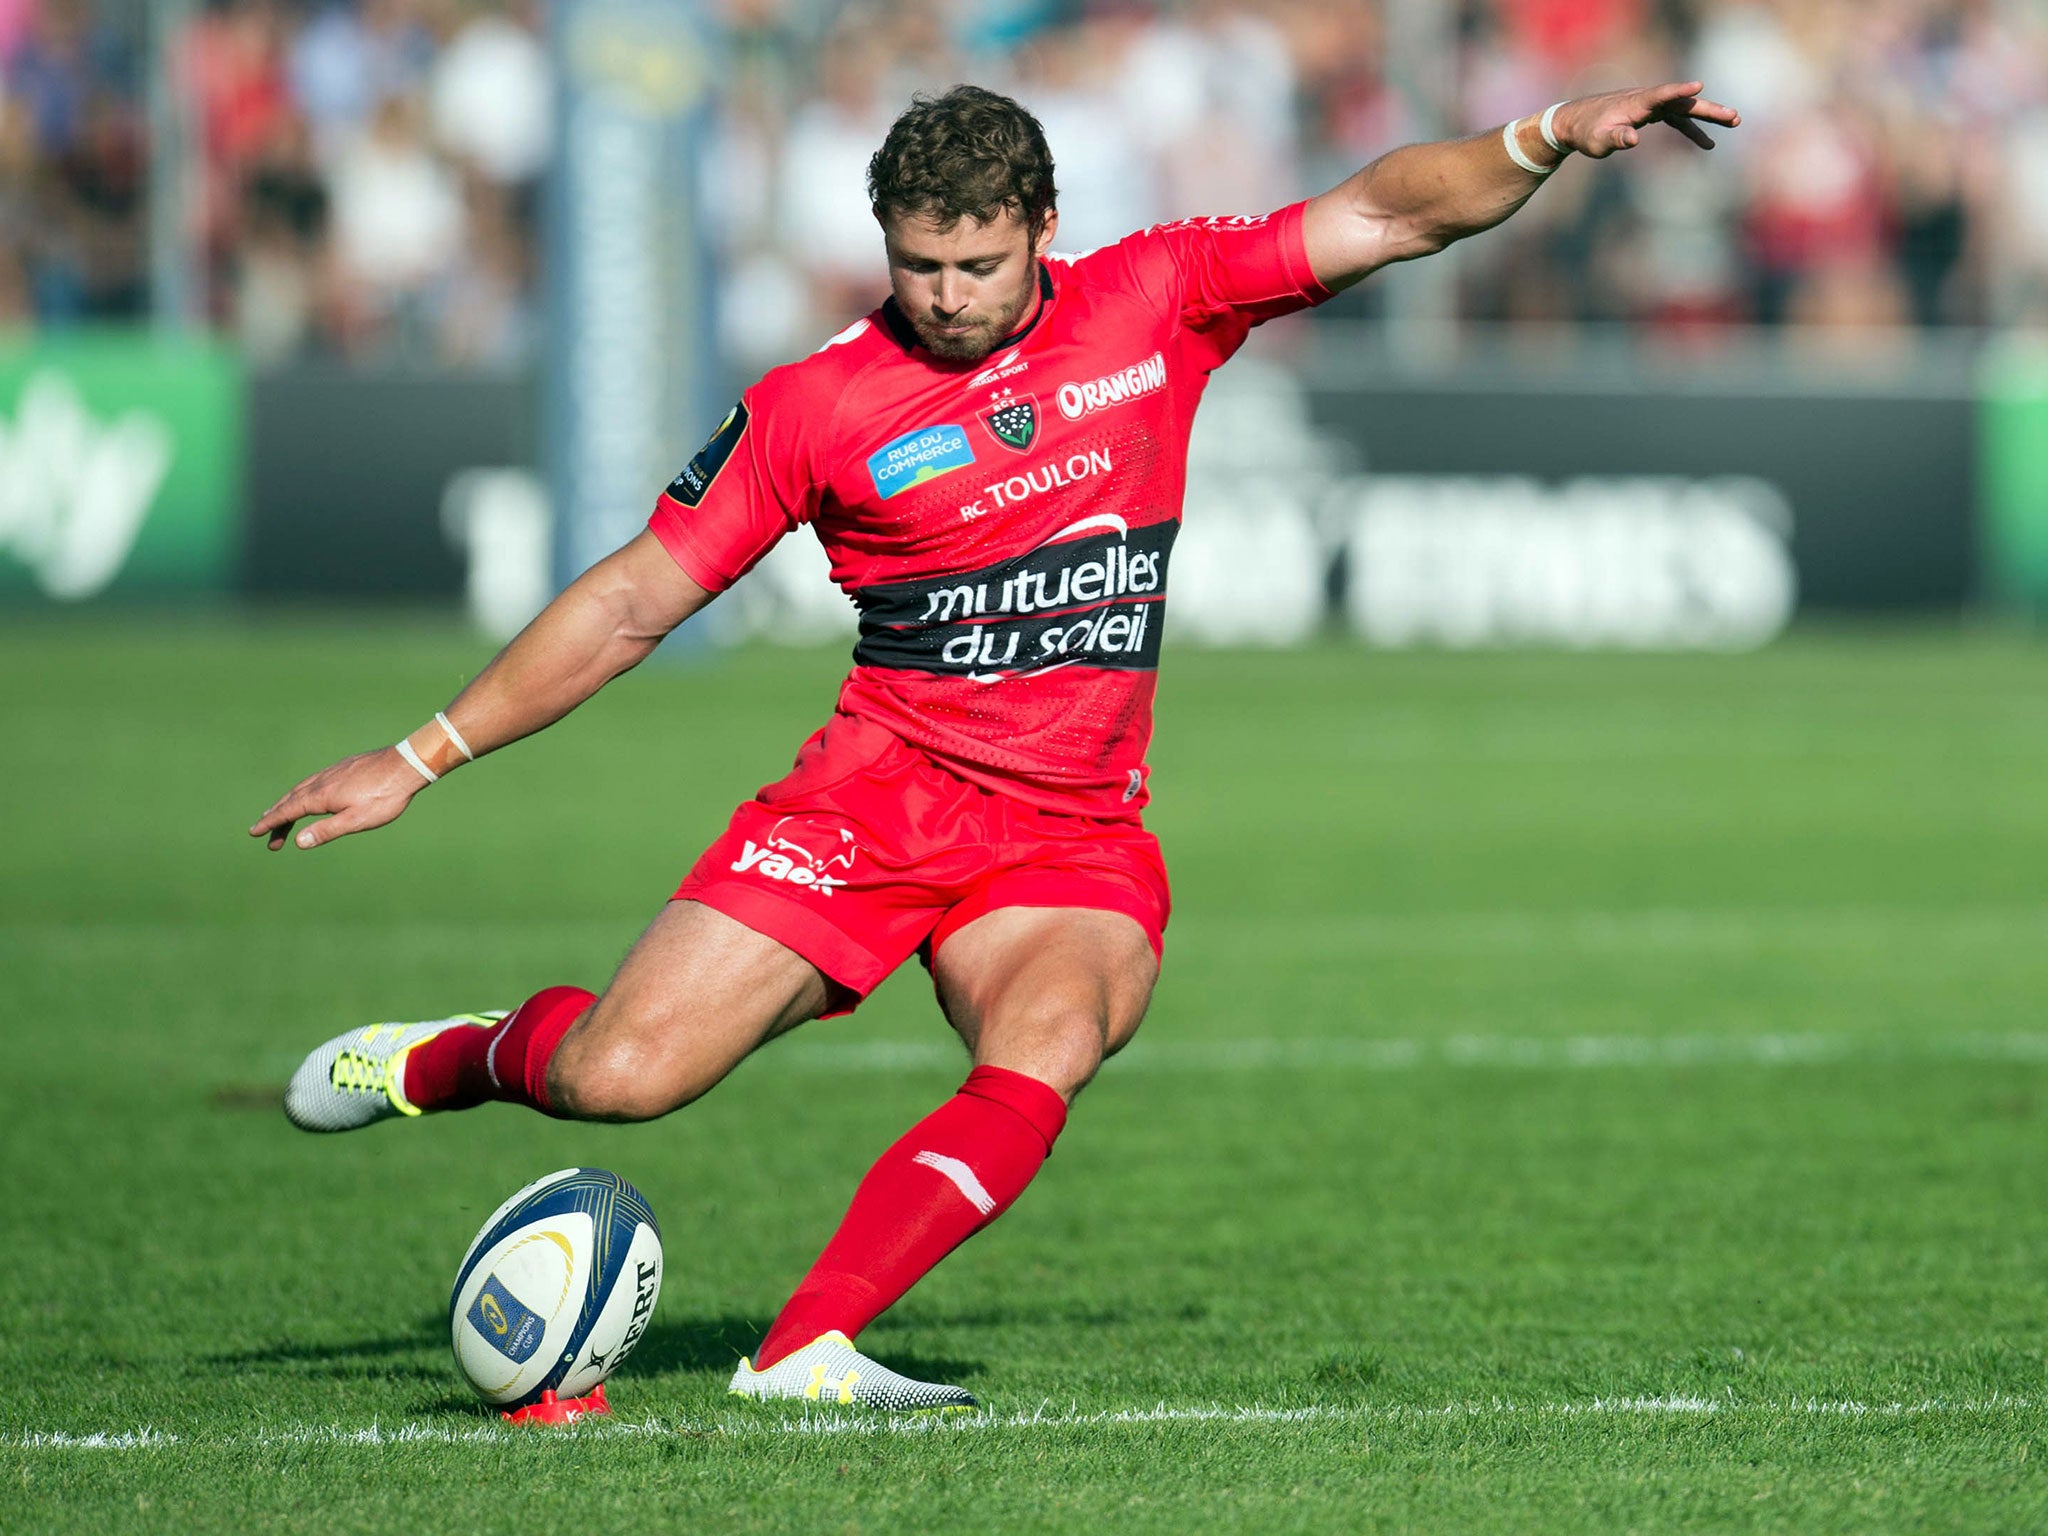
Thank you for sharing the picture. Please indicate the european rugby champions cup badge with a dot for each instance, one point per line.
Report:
(1012, 420)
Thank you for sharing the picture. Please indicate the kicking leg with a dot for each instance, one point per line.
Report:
(698, 992)
(1040, 996)
(1049, 992)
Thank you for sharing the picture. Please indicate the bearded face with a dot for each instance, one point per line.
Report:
(966, 286)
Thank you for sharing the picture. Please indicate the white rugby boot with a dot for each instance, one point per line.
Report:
(358, 1078)
(830, 1372)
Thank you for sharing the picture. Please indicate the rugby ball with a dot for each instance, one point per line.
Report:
(557, 1288)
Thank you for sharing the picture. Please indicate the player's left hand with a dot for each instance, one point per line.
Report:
(1598, 126)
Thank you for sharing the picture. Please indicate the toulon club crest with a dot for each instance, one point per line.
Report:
(1012, 420)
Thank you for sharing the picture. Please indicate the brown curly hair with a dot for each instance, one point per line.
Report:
(967, 154)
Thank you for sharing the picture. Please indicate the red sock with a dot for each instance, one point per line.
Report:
(466, 1066)
(956, 1171)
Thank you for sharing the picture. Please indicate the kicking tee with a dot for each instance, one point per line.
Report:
(1004, 526)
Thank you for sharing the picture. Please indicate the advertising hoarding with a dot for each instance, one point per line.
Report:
(120, 467)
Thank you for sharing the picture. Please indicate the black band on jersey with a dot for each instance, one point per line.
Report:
(1097, 601)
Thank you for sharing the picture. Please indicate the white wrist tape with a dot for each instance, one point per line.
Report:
(405, 751)
(1514, 149)
(1548, 127)
(441, 719)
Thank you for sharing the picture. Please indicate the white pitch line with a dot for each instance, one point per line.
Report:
(1043, 1418)
(1528, 1053)
(1678, 1407)
(58, 1440)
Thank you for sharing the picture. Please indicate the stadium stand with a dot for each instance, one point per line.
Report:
(368, 171)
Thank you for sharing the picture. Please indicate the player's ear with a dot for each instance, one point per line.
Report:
(1047, 228)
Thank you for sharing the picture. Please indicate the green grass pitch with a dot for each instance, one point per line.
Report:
(1585, 1093)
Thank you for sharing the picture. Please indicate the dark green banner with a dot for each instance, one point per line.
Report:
(120, 467)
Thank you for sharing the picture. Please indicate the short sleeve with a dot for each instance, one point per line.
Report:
(749, 485)
(1244, 269)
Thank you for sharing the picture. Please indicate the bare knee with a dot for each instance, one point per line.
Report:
(1062, 1047)
(610, 1083)
(609, 1069)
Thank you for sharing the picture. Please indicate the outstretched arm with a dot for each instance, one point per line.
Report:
(607, 621)
(1416, 200)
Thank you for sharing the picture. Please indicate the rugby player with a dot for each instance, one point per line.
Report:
(994, 460)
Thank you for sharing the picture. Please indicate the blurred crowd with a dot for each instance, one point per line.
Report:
(360, 178)
(364, 175)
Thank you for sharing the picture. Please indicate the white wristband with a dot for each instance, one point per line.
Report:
(1514, 149)
(405, 751)
(1548, 127)
(454, 735)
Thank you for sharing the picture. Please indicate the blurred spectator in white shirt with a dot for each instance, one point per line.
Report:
(398, 224)
(825, 223)
(2022, 236)
(1745, 44)
(492, 94)
(1106, 180)
(1213, 91)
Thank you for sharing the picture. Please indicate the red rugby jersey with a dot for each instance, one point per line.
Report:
(1004, 526)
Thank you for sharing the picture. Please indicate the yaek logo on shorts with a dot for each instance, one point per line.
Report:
(801, 852)
(917, 457)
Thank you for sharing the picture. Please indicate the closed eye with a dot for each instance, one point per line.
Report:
(972, 269)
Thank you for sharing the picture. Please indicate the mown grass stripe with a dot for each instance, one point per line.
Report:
(1591, 927)
(1509, 1052)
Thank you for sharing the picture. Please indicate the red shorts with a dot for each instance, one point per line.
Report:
(870, 852)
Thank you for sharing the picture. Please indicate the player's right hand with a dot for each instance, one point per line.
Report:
(356, 794)
(1599, 126)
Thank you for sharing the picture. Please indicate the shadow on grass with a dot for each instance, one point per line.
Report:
(918, 1319)
(265, 1098)
(706, 1346)
(714, 1345)
(1069, 1316)
(392, 1355)
(462, 1404)
(711, 1345)
(689, 1344)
